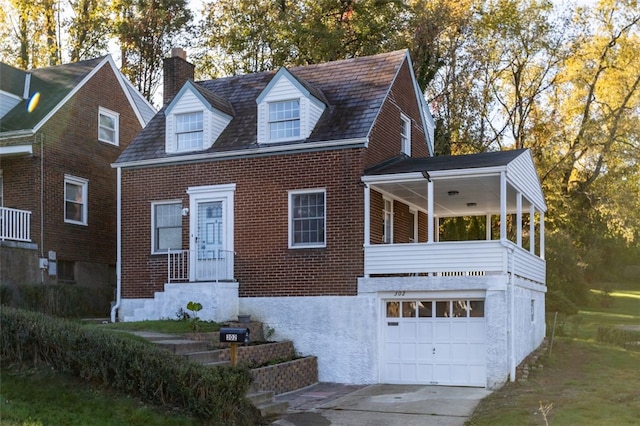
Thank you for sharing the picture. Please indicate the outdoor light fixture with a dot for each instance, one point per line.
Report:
(452, 193)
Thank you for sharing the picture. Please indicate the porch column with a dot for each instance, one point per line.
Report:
(532, 229)
(430, 211)
(503, 206)
(367, 214)
(541, 234)
(519, 219)
(487, 225)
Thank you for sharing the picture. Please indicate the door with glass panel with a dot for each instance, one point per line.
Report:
(210, 256)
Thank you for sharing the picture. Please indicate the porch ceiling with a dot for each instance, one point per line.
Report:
(484, 191)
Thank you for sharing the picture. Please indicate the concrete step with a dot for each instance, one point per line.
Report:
(259, 397)
(203, 357)
(272, 410)
(182, 346)
(217, 364)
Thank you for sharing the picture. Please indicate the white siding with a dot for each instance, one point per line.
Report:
(522, 174)
(7, 102)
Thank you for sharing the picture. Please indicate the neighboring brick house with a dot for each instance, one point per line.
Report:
(61, 127)
(309, 199)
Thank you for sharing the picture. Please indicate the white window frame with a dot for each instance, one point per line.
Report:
(405, 134)
(414, 225)
(155, 204)
(294, 193)
(271, 121)
(116, 130)
(178, 133)
(84, 203)
(387, 220)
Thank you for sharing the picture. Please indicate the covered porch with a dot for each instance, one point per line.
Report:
(470, 215)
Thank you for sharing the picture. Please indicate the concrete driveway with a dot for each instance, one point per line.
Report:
(384, 405)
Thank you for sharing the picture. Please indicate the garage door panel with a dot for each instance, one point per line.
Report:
(425, 330)
(442, 331)
(436, 349)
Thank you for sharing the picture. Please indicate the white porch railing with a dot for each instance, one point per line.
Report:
(456, 258)
(15, 224)
(199, 265)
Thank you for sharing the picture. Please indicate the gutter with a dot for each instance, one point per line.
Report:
(512, 315)
(115, 307)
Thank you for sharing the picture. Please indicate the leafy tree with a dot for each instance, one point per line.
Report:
(29, 33)
(88, 34)
(146, 31)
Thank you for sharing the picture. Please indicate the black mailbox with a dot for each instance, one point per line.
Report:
(234, 335)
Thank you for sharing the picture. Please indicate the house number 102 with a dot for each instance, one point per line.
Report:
(399, 293)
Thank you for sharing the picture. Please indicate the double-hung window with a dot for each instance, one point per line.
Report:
(166, 224)
(108, 126)
(387, 221)
(284, 120)
(405, 134)
(189, 131)
(75, 200)
(307, 213)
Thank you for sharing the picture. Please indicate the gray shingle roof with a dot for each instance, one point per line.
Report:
(446, 162)
(53, 83)
(353, 88)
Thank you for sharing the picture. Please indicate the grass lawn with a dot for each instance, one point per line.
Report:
(165, 326)
(42, 397)
(582, 382)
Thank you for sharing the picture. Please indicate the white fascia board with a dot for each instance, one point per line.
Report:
(263, 150)
(424, 109)
(123, 84)
(16, 150)
(435, 175)
(283, 72)
(17, 134)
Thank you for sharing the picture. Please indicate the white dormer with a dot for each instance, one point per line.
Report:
(287, 110)
(192, 122)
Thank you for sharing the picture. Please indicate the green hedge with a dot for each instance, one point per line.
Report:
(128, 366)
(60, 300)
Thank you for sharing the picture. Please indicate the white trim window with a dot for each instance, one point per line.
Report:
(166, 226)
(405, 134)
(387, 221)
(76, 192)
(189, 131)
(108, 126)
(284, 120)
(307, 218)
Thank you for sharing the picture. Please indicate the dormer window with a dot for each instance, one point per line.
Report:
(189, 131)
(284, 120)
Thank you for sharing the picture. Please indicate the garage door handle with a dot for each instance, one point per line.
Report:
(434, 351)
(392, 323)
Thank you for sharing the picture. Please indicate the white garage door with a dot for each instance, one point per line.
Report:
(434, 342)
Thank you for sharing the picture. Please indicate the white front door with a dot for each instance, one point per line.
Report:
(434, 342)
(211, 229)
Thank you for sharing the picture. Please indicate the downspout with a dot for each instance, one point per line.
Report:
(115, 307)
(41, 201)
(511, 266)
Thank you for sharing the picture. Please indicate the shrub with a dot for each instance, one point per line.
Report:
(61, 300)
(129, 366)
(617, 336)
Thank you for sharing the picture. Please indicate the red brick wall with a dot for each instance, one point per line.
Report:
(385, 138)
(264, 264)
(68, 144)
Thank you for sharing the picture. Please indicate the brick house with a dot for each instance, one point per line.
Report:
(309, 199)
(61, 127)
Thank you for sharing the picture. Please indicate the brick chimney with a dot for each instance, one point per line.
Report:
(176, 72)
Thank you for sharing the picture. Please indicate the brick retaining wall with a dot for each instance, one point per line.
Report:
(287, 376)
